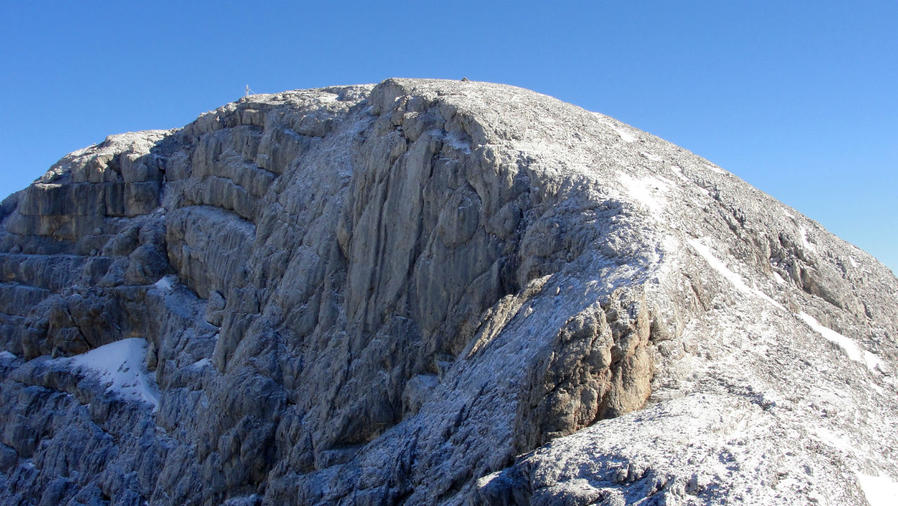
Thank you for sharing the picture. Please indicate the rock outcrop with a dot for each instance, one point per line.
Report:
(430, 292)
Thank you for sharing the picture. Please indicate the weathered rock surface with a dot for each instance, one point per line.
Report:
(431, 292)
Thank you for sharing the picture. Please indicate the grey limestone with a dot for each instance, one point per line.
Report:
(432, 292)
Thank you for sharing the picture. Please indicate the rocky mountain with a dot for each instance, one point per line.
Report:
(432, 292)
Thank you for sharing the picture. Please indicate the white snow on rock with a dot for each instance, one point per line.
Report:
(120, 365)
(837, 441)
(741, 404)
(199, 364)
(851, 348)
(878, 490)
(458, 144)
(678, 171)
(650, 156)
(624, 135)
(808, 245)
(648, 191)
(713, 168)
(779, 279)
(166, 283)
(724, 271)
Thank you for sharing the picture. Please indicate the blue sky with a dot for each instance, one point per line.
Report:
(798, 98)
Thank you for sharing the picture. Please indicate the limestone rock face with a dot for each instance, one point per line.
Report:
(430, 292)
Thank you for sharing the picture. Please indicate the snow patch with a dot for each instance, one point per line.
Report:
(668, 254)
(832, 439)
(850, 347)
(713, 168)
(120, 365)
(458, 144)
(779, 279)
(724, 271)
(678, 172)
(485, 480)
(804, 240)
(624, 135)
(648, 191)
(879, 490)
(6, 354)
(244, 500)
(166, 283)
(200, 364)
(650, 156)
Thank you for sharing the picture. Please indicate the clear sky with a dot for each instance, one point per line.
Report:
(799, 98)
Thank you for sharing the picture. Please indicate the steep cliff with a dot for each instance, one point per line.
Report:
(431, 292)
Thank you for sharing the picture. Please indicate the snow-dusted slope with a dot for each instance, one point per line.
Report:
(120, 365)
(432, 292)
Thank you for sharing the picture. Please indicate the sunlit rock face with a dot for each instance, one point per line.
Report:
(431, 292)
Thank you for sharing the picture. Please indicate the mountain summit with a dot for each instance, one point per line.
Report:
(432, 292)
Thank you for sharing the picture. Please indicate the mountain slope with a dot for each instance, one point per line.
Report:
(431, 292)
